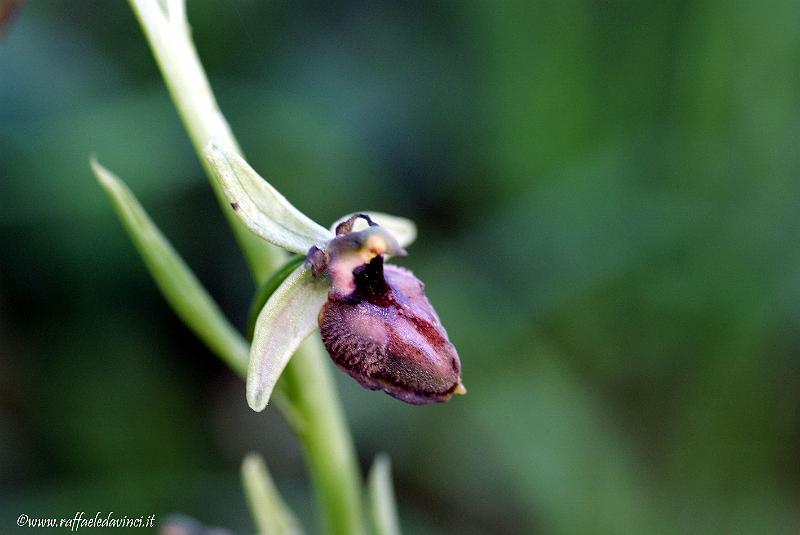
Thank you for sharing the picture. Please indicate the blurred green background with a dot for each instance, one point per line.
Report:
(608, 197)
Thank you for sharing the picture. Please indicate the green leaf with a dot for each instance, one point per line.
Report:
(404, 230)
(288, 317)
(178, 284)
(381, 497)
(261, 207)
(270, 513)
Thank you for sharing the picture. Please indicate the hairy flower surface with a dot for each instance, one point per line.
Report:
(374, 318)
(384, 333)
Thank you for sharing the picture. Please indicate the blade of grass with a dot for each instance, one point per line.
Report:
(381, 497)
(180, 287)
(270, 513)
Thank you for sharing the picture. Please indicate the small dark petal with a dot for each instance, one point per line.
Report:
(346, 226)
(387, 336)
(318, 260)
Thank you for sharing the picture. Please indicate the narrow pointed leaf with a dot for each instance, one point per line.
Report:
(260, 206)
(381, 497)
(271, 514)
(176, 281)
(404, 230)
(287, 318)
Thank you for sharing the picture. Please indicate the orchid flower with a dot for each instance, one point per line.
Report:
(375, 320)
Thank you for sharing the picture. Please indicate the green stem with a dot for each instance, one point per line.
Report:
(330, 456)
(171, 43)
(314, 407)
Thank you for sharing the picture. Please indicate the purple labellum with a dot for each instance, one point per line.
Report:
(386, 335)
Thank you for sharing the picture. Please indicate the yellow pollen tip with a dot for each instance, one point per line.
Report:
(375, 245)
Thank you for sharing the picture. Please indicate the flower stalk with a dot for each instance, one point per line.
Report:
(311, 403)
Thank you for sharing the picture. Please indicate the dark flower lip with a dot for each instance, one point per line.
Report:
(387, 336)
